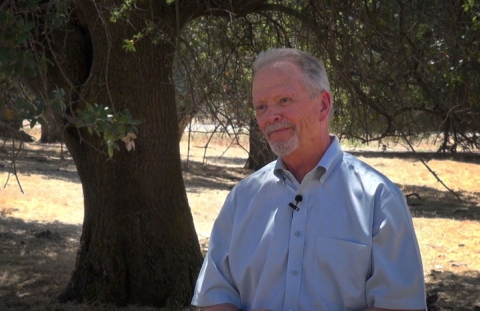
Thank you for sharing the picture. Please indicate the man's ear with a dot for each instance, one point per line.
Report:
(325, 99)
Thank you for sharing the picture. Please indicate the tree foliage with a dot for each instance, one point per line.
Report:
(133, 70)
(214, 71)
(404, 69)
(27, 59)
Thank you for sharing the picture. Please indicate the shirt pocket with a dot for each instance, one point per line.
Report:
(341, 269)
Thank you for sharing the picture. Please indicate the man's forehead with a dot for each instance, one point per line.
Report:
(273, 88)
(278, 65)
(271, 75)
(275, 81)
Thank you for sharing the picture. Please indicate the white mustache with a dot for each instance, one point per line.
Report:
(279, 125)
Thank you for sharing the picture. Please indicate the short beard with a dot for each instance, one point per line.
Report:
(283, 148)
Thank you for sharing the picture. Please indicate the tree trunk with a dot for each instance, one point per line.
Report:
(138, 243)
(50, 132)
(182, 125)
(260, 153)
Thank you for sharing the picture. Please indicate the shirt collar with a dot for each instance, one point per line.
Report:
(330, 159)
(279, 168)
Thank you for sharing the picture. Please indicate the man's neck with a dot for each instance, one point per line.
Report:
(302, 161)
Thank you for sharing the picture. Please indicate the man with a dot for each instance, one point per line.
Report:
(317, 229)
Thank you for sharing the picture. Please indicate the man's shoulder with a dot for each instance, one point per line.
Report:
(260, 176)
(365, 171)
(354, 161)
(266, 171)
(249, 186)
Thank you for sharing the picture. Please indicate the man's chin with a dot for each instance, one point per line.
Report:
(282, 149)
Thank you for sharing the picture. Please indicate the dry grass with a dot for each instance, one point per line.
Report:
(39, 230)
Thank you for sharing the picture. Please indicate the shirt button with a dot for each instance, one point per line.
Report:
(298, 233)
(294, 272)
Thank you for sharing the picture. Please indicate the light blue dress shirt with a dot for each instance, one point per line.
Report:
(351, 245)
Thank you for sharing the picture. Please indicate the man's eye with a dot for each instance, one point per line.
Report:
(285, 100)
(260, 107)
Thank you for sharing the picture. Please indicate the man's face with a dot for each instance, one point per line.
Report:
(286, 113)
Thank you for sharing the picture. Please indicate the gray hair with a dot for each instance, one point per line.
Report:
(316, 79)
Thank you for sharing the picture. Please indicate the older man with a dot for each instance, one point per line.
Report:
(317, 229)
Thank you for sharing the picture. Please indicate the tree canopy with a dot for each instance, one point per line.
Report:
(406, 68)
(135, 70)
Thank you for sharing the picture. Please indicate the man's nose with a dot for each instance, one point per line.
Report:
(273, 114)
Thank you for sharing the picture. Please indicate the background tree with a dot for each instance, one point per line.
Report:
(404, 69)
(215, 72)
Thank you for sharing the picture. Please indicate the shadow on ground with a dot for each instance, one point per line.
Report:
(36, 261)
(211, 176)
(44, 160)
(473, 157)
(450, 291)
(432, 203)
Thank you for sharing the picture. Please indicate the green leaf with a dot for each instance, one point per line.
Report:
(28, 26)
(128, 46)
(32, 4)
(110, 150)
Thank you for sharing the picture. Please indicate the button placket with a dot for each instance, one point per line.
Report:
(295, 257)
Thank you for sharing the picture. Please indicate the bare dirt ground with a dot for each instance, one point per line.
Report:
(40, 229)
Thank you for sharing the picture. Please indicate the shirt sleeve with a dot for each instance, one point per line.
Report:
(215, 284)
(396, 280)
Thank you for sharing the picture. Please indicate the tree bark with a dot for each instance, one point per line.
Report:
(138, 243)
(260, 153)
(50, 132)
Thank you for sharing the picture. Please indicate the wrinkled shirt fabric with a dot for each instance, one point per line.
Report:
(351, 245)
